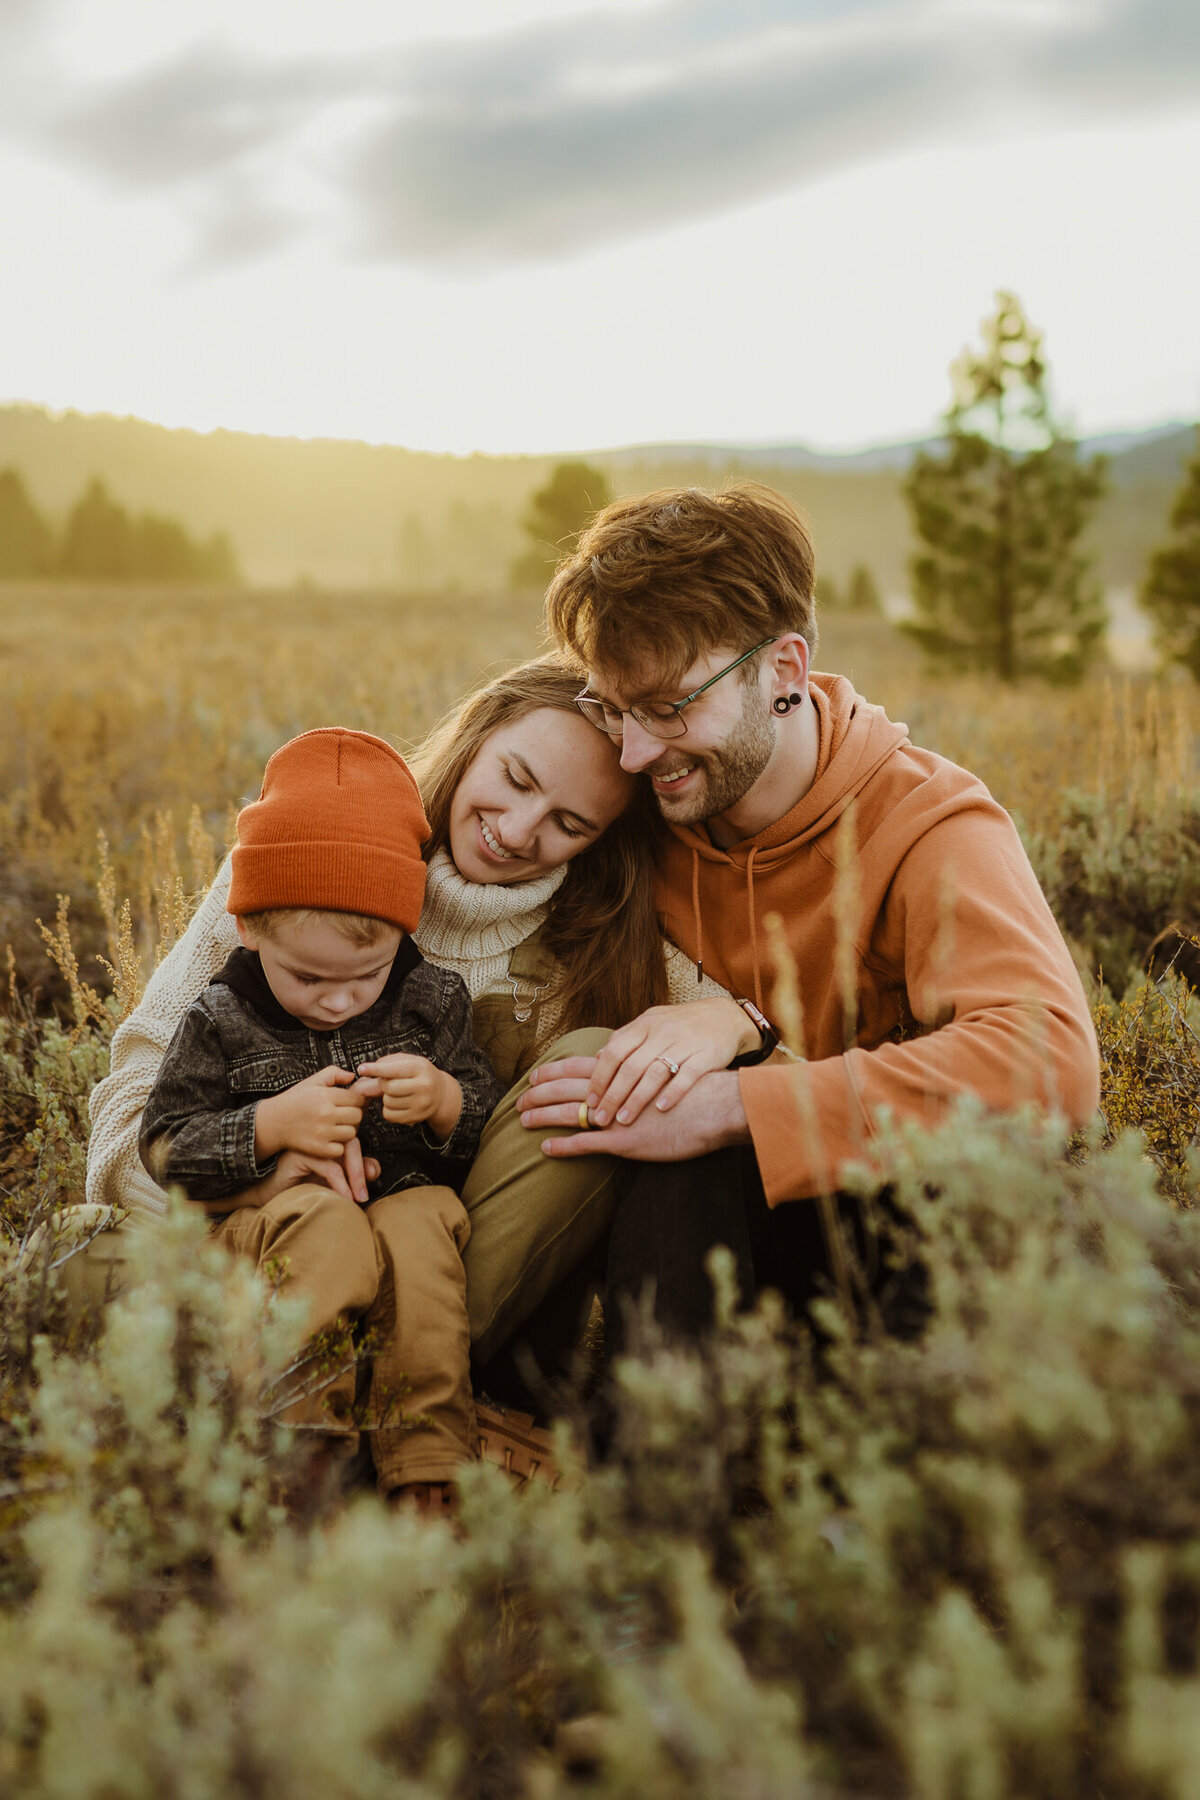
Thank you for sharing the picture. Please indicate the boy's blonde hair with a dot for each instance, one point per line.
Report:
(358, 928)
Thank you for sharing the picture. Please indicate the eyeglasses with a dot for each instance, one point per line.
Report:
(661, 718)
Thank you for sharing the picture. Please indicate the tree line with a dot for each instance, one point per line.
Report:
(101, 541)
(1000, 584)
(576, 491)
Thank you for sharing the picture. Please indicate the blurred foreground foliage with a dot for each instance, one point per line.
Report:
(968, 1566)
(962, 1569)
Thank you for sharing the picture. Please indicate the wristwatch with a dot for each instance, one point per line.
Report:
(770, 1037)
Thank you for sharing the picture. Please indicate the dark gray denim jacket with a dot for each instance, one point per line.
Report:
(236, 1045)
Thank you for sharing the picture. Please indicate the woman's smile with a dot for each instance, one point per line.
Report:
(538, 791)
(492, 843)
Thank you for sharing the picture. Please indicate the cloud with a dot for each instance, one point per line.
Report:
(194, 117)
(545, 140)
(605, 134)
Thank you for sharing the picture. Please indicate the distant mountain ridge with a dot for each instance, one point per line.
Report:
(345, 513)
(898, 455)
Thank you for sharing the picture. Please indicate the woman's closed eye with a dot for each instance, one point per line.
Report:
(524, 787)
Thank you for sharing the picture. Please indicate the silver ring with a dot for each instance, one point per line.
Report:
(585, 1124)
(673, 1066)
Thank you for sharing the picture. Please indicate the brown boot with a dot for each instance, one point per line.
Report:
(431, 1499)
(511, 1439)
(321, 1472)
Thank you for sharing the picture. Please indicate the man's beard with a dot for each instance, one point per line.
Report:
(729, 772)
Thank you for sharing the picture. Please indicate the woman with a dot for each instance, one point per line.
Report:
(540, 896)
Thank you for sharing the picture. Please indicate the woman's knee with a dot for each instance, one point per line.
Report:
(589, 1040)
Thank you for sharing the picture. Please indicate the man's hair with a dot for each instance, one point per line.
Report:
(659, 580)
(358, 928)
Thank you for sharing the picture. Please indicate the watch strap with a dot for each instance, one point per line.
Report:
(768, 1033)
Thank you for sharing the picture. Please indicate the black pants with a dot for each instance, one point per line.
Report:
(673, 1214)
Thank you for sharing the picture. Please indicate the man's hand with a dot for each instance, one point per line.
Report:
(414, 1090)
(349, 1178)
(709, 1116)
(660, 1056)
(318, 1117)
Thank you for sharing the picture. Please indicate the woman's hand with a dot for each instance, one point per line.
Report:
(659, 1057)
(348, 1177)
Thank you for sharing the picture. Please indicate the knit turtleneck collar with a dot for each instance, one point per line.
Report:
(474, 918)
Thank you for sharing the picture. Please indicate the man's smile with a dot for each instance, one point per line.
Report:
(673, 776)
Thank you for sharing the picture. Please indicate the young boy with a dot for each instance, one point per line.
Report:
(326, 1027)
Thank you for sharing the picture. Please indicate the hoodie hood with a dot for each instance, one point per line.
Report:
(925, 961)
(856, 740)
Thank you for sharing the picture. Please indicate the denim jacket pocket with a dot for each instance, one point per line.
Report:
(268, 1072)
(389, 1043)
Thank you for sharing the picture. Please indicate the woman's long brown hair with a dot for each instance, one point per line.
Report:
(601, 926)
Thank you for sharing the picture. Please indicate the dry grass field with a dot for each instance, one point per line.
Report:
(966, 1568)
(147, 715)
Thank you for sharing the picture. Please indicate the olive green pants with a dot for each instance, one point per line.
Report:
(532, 1221)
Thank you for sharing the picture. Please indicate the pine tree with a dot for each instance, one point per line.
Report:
(862, 591)
(1171, 591)
(26, 541)
(827, 594)
(98, 542)
(557, 514)
(1000, 585)
(216, 560)
(102, 543)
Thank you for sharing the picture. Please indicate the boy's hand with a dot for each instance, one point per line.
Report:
(317, 1116)
(414, 1090)
(349, 1178)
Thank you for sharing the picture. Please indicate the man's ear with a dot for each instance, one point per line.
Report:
(789, 665)
(244, 932)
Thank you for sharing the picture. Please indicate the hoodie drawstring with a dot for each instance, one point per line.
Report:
(758, 999)
(696, 915)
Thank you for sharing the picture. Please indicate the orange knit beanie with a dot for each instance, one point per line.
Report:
(339, 825)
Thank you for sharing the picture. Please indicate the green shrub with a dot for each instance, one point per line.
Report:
(1115, 873)
(964, 1566)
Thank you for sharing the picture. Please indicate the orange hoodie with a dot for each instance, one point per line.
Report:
(961, 981)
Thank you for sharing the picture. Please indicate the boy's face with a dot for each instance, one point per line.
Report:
(318, 975)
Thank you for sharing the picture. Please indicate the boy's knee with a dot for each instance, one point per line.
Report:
(325, 1236)
(421, 1212)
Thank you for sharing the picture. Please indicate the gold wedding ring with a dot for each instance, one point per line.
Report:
(585, 1124)
(673, 1066)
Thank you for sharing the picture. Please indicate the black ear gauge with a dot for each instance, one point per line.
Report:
(783, 703)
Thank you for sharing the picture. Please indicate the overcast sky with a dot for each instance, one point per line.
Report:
(554, 225)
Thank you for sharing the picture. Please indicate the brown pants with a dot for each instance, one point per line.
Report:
(396, 1266)
(528, 1222)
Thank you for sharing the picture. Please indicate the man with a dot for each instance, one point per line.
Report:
(929, 965)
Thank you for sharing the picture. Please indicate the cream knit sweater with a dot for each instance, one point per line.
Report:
(470, 927)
